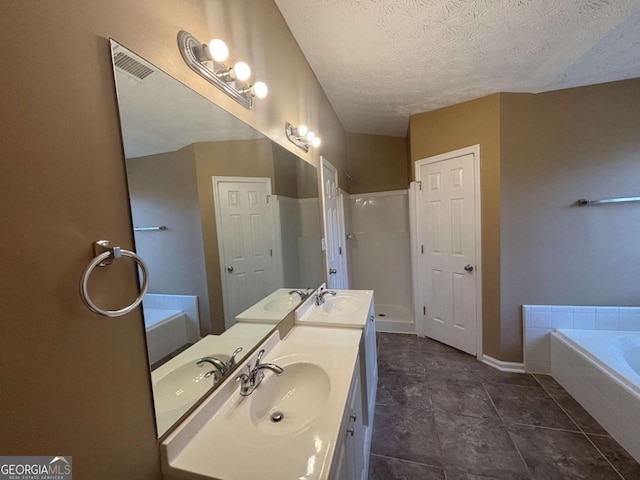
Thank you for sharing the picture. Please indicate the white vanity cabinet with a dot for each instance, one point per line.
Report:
(349, 461)
(369, 365)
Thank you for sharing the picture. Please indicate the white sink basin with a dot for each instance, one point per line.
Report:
(293, 399)
(184, 385)
(282, 304)
(348, 308)
(341, 304)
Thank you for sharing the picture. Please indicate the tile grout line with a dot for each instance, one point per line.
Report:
(507, 430)
(433, 416)
(408, 461)
(579, 427)
(604, 456)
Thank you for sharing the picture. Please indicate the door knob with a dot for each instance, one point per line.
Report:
(229, 269)
(332, 271)
(468, 268)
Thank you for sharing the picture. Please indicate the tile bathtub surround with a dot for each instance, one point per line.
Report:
(540, 320)
(446, 415)
(614, 406)
(186, 303)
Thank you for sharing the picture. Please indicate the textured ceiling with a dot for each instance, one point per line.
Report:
(380, 61)
(160, 114)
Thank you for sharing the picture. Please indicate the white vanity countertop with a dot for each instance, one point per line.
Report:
(273, 308)
(230, 437)
(348, 308)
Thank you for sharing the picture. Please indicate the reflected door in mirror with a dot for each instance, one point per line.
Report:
(247, 240)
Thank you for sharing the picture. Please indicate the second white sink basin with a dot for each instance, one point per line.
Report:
(348, 308)
(286, 403)
(342, 304)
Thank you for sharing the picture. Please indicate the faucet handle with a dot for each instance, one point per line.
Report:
(232, 361)
(259, 359)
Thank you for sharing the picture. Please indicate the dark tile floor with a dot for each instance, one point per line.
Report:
(441, 414)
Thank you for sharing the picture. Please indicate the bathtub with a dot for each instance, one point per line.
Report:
(166, 331)
(393, 318)
(601, 370)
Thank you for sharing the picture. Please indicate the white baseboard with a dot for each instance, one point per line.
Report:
(394, 326)
(514, 367)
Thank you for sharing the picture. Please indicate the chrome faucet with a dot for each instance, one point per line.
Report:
(221, 368)
(302, 293)
(318, 299)
(219, 365)
(249, 381)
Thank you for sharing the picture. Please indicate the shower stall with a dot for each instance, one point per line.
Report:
(379, 255)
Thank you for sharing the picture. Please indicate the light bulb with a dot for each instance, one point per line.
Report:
(259, 89)
(219, 50)
(241, 71)
(310, 136)
(302, 130)
(316, 142)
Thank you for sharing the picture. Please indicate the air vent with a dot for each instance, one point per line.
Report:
(124, 62)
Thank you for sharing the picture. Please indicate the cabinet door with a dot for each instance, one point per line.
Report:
(369, 366)
(342, 468)
(349, 459)
(371, 351)
(357, 432)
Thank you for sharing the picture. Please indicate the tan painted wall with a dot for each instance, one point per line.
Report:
(558, 147)
(242, 158)
(377, 163)
(447, 129)
(163, 191)
(284, 172)
(75, 382)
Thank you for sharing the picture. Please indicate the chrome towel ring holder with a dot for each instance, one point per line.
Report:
(105, 254)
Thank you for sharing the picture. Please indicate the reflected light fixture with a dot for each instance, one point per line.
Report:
(301, 136)
(207, 60)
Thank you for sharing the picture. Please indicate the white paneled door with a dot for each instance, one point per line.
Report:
(246, 237)
(448, 239)
(334, 231)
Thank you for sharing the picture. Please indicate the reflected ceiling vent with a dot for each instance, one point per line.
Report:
(130, 65)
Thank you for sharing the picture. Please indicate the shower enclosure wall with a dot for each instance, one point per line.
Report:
(379, 255)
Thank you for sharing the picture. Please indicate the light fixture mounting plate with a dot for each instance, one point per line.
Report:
(293, 137)
(186, 45)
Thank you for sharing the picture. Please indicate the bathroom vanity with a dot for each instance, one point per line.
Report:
(313, 421)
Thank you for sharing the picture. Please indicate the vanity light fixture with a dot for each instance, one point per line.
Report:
(301, 136)
(207, 60)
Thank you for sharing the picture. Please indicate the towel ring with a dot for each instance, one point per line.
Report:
(103, 259)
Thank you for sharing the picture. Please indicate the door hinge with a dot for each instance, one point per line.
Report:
(271, 252)
(419, 185)
(424, 310)
(339, 250)
(422, 249)
(268, 197)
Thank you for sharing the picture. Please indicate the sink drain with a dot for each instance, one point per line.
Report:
(277, 417)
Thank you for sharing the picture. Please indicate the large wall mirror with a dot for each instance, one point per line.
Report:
(227, 221)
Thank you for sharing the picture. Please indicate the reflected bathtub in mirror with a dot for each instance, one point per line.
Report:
(222, 216)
